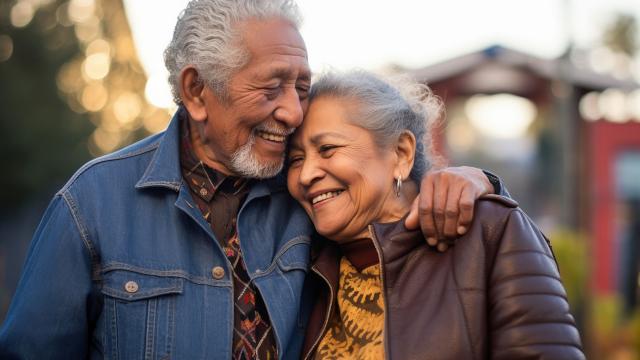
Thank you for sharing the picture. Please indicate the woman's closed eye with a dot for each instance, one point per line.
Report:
(295, 160)
(327, 150)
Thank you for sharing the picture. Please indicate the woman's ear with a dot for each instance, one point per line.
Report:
(406, 153)
(192, 93)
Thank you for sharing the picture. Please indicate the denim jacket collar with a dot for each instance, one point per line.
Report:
(164, 169)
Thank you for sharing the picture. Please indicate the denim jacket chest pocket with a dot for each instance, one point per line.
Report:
(295, 256)
(139, 314)
(292, 266)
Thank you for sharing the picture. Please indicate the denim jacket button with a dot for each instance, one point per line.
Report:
(131, 286)
(217, 272)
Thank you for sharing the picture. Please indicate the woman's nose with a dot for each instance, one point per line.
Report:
(310, 172)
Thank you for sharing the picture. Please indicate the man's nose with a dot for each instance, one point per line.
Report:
(289, 110)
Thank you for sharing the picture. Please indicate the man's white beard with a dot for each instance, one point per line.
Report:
(244, 162)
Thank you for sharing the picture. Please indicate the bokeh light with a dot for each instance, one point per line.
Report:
(69, 77)
(589, 107)
(503, 116)
(98, 46)
(105, 140)
(22, 14)
(62, 15)
(94, 97)
(81, 10)
(6, 47)
(613, 104)
(88, 30)
(157, 121)
(96, 66)
(126, 108)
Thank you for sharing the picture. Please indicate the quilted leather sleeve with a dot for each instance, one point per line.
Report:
(529, 314)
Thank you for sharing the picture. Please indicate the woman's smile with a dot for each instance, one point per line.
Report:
(339, 174)
(323, 197)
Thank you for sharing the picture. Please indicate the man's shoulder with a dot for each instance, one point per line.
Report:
(118, 165)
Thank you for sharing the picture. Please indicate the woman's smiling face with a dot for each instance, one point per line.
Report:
(339, 174)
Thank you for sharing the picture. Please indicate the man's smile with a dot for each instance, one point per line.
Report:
(272, 137)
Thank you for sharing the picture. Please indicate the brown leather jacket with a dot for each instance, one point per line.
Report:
(496, 294)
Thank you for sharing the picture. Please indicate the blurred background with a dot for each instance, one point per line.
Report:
(544, 93)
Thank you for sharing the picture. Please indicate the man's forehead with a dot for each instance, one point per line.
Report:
(273, 37)
(280, 69)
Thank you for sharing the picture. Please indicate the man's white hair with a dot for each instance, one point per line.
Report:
(206, 36)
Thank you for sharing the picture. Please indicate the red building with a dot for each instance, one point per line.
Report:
(565, 139)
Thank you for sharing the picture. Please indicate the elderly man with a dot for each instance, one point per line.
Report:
(186, 245)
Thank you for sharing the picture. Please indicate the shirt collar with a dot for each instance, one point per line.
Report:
(202, 179)
(164, 168)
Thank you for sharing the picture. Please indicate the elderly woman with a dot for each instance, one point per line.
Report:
(381, 291)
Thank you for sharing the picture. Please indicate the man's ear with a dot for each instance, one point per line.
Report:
(192, 92)
(405, 150)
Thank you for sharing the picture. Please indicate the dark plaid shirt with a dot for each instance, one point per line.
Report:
(219, 198)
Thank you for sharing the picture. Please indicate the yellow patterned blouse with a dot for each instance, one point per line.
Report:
(355, 329)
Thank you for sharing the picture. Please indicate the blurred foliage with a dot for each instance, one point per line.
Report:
(621, 34)
(570, 249)
(72, 88)
(606, 331)
(43, 140)
(613, 335)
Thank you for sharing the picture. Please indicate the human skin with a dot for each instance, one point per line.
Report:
(267, 99)
(342, 177)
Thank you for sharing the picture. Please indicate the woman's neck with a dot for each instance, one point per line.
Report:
(393, 209)
(361, 253)
(397, 206)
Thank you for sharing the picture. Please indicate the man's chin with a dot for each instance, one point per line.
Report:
(257, 168)
(267, 171)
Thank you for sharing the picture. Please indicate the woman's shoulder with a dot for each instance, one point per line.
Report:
(493, 211)
(496, 203)
(503, 225)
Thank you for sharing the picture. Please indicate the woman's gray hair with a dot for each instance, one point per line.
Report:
(206, 36)
(386, 107)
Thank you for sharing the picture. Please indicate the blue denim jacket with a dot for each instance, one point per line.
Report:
(121, 266)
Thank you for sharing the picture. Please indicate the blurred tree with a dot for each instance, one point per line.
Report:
(71, 87)
(43, 139)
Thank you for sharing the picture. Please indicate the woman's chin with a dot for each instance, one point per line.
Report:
(329, 231)
(335, 232)
(324, 231)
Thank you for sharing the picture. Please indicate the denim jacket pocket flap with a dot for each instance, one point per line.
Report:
(133, 286)
(295, 257)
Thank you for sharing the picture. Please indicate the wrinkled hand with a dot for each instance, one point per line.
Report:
(444, 207)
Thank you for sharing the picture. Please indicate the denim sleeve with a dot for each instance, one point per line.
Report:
(48, 314)
(498, 186)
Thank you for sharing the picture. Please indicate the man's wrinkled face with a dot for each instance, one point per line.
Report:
(248, 132)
